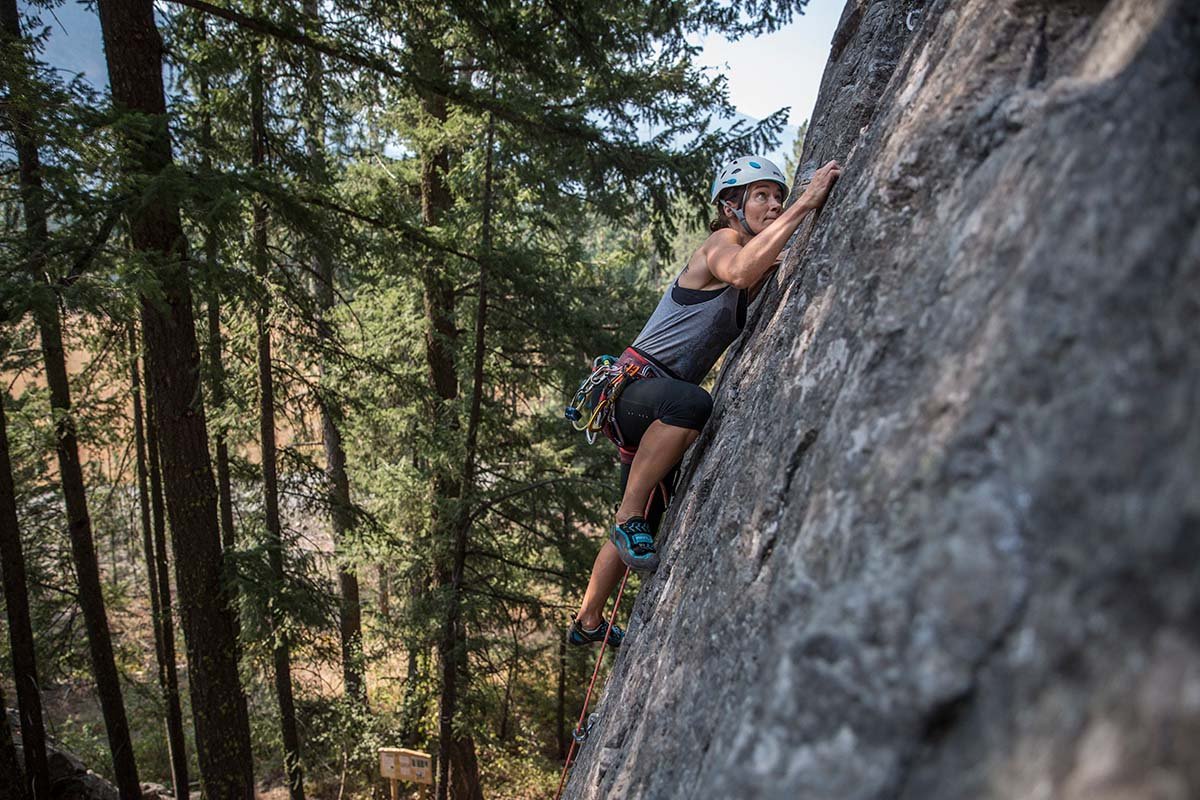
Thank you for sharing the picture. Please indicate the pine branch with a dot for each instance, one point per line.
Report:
(630, 153)
(98, 241)
(515, 564)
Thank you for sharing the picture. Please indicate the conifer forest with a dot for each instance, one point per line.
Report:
(291, 304)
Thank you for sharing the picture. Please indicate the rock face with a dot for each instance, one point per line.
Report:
(70, 778)
(941, 538)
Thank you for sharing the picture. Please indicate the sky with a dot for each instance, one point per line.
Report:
(765, 73)
(779, 69)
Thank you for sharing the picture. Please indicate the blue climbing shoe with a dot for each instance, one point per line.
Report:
(579, 636)
(635, 544)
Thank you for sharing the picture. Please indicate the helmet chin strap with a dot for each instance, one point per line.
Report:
(740, 215)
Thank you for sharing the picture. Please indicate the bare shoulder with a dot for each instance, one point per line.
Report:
(697, 274)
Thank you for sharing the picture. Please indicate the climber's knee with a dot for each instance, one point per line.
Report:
(689, 406)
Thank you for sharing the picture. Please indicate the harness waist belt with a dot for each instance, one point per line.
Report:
(645, 368)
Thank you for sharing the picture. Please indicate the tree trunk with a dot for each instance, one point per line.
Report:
(216, 365)
(440, 334)
(510, 678)
(134, 54)
(457, 750)
(350, 609)
(20, 630)
(154, 546)
(12, 779)
(282, 651)
(83, 551)
(163, 575)
(561, 727)
(217, 393)
(384, 591)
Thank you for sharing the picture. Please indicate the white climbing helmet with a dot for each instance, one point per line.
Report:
(747, 169)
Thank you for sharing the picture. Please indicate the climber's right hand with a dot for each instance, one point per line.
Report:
(822, 181)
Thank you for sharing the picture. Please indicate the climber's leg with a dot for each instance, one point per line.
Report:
(661, 448)
(660, 417)
(606, 574)
(663, 417)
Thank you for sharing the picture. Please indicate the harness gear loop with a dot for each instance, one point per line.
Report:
(592, 409)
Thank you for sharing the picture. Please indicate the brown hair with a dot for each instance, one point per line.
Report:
(722, 220)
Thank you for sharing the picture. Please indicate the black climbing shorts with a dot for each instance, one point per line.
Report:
(675, 402)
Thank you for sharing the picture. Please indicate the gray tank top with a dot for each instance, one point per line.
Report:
(688, 339)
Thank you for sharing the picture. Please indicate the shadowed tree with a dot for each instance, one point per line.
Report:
(12, 781)
(133, 50)
(281, 650)
(158, 585)
(45, 312)
(350, 608)
(36, 778)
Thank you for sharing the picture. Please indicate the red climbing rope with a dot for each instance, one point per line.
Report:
(587, 698)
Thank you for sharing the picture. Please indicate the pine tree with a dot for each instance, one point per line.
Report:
(281, 651)
(36, 777)
(350, 608)
(792, 161)
(158, 584)
(12, 779)
(133, 51)
(46, 314)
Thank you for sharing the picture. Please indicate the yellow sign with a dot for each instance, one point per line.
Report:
(399, 764)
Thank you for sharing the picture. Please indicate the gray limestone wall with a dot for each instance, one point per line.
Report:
(941, 538)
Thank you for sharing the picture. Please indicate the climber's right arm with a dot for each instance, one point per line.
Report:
(745, 266)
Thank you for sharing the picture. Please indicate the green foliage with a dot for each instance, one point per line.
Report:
(792, 162)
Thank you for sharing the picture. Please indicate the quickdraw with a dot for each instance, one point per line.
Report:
(581, 732)
(591, 409)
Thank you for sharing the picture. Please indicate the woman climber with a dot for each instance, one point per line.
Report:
(699, 316)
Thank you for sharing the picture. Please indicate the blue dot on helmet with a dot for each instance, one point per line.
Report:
(731, 181)
(756, 165)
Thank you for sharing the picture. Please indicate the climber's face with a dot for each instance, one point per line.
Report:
(763, 204)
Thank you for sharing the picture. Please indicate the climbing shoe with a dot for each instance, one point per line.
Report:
(580, 636)
(635, 544)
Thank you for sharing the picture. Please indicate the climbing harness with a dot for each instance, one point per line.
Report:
(580, 734)
(592, 408)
